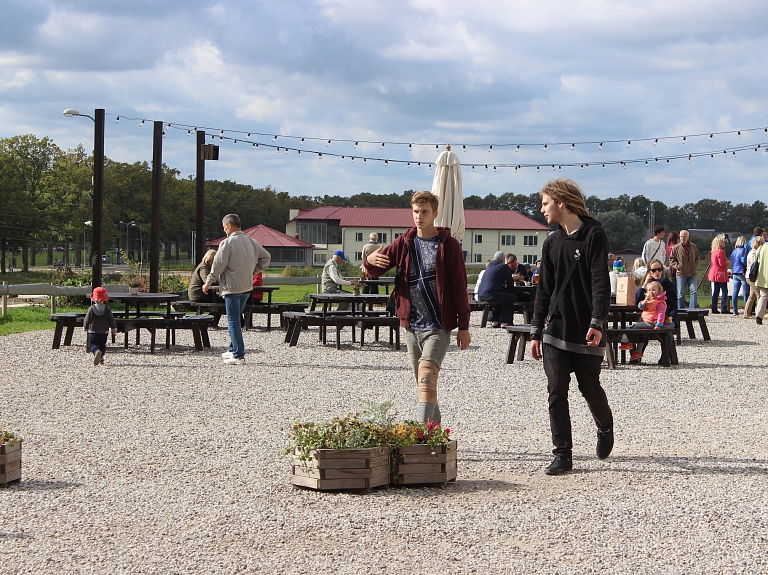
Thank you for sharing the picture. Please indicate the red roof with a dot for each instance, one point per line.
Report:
(402, 218)
(268, 238)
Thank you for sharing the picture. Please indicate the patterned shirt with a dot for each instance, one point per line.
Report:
(422, 285)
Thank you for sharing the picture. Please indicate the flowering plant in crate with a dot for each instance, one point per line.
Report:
(412, 433)
(10, 458)
(350, 432)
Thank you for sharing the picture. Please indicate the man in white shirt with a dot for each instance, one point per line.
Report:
(331, 278)
(656, 248)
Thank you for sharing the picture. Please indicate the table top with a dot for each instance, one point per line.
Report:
(143, 297)
(379, 281)
(258, 289)
(349, 297)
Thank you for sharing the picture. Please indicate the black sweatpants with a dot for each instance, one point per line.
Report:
(558, 365)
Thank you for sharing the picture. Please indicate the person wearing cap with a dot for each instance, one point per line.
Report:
(498, 276)
(331, 278)
(98, 321)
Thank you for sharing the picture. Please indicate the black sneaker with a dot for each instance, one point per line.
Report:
(604, 443)
(758, 321)
(560, 464)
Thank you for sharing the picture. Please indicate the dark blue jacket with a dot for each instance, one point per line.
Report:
(496, 275)
(670, 290)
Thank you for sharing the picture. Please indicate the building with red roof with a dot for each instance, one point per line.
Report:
(285, 250)
(348, 229)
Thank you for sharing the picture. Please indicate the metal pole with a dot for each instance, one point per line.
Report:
(98, 196)
(200, 199)
(154, 234)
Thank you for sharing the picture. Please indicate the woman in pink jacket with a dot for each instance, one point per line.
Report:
(718, 274)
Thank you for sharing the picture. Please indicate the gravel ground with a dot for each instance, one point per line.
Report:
(168, 463)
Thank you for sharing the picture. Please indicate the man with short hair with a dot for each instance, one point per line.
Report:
(655, 248)
(431, 288)
(331, 278)
(685, 258)
(572, 304)
(497, 277)
(237, 260)
(368, 249)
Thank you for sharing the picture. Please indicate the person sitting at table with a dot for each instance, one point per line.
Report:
(195, 289)
(655, 273)
(497, 276)
(257, 297)
(368, 249)
(479, 279)
(332, 280)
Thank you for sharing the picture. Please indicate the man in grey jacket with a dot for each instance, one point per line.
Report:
(237, 260)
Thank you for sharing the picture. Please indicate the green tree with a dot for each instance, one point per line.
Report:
(624, 230)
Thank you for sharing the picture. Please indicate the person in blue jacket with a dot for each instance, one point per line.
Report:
(738, 269)
(497, 276)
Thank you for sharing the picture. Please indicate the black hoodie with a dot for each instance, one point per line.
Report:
(587, 297)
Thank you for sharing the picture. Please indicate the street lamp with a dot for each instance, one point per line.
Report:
(141, 248)
(98, 187)
(126, 224)
(88, 223)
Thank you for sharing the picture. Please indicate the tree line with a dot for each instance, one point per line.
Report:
(47, 199)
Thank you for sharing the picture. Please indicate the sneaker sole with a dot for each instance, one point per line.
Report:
(97, 358)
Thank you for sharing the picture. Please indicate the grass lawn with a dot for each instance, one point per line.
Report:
(30, 318)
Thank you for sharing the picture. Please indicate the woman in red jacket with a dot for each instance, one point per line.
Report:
(718, 274)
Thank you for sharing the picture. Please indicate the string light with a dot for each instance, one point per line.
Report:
(222, 133)
(382, 146)
(235, 144)
(353, 159)
(573, 146)
(517, 149)
(365, 161)
(355, 145)
(141, 123)
(189, 133)
(486, 167)
(464, 146)
(545, 147)
(490, 148)
(319, 156)
(739, 132)
(302, 141)
(473, 167)
(409, 164)
(603, 166)
(437, 146)
(494, 168)
(684, 139)
(386, 163)
(629, 142)
(623, 165)
(656, 141)
(248, 136)
(274, 139)
(430, 167)
(600, 147)
(328, 143)
(710, 137)
(255, 146)
(117, 120)
(410, 147)
(690, 159)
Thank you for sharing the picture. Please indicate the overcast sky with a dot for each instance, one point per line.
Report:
(450, 71)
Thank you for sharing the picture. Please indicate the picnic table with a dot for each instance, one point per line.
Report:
(361, 303)
(387, 283)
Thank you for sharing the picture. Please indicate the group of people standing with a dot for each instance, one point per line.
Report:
(683, 258)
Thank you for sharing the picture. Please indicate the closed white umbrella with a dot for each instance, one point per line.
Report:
(447, 187)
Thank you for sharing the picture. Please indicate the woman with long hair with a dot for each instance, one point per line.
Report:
(718, 274)
(672, 239)
(738, 269)
(749, 306)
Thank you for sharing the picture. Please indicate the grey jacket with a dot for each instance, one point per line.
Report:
(237, 260)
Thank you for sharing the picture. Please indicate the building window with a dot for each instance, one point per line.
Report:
(334, 234)
(478, 258)
(358, 236)
(312, 233)
(531, 240)
(507, 240)
(287, 254)
(358, 256)
(398, 235)
(478, 238)
(321, 258)
(530, 258)
(383, 238)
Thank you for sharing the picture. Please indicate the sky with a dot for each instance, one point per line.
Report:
(488, 75)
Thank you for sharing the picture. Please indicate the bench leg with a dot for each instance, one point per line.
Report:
(520, 346)
(609, 356)
(68, 335)
(664, 341)
(677, 333)
(152, 332)
(197, 338)
(397, 338)
(704, 330)
(484, 318)
(295, 333)
(289, 325)
(204, 336)
(689, 325)
(511, 348)
(57, 335)
(338, 335)
(269, 321)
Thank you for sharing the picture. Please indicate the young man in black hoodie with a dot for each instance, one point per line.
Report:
(572, 304)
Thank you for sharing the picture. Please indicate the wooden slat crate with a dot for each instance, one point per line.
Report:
(10, 463)
(342, 469)
(416, 465)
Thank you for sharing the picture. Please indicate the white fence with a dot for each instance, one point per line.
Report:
(50, 290)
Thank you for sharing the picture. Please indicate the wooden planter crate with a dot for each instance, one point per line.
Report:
(10, 463)
(415, 465)
(331, 469)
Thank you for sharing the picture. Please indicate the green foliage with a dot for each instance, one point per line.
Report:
(298, 272)
(347, 270)
(32, 318)
(173, 283)
(624, 230)
(8, 437)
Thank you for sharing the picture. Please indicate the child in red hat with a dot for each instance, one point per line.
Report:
(98, 321)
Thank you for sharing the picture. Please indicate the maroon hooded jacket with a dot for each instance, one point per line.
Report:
(451, 278)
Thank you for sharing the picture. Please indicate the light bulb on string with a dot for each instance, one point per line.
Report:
(603, 166)
(255, 146)
(278, 149)
(221, 138)
(545, 147)
(353, 159)
(342, 158)
(710, 137)
(559, 168)
(582, 166)
(222, 133)
(365, 161)
(355, 144)
(189, 133)
(684, 139)
(667, 161)
(600, 147)
(319, 155)
(712, 156)
(163, 134)
(553, 167)
(419, 165)
(430, 167)
(212, 136)
(437, 146)
(235, 143)
(573, 147)
(656, 141)
(517, 149)
(169, 126)
(409, 164)
(657, 160)
(274, 139)
(473, 167)
(490, 148)
(298, 153)
(328, 143)
(382, 146)
(494, 168)
(195, 130)
(410, 147)
(739, 133)
(286, 150)
(141, 123)
(690, 159)
(386, 163)
(117, 120)
(248, 135)
(588, 167)
(465, 146)
(538, 168)
(302, 141)
(629, 142)
(486, 167)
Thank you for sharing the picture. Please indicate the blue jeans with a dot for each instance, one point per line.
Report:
(682, 283)
(738, 281)
(234, 303)
(717, 289)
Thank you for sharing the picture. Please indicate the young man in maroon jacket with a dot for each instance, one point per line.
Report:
(431, 288)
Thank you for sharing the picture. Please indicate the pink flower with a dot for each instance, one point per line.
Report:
(447, 430)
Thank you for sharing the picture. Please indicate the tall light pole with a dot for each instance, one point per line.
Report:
(126, 224)
(141, 248)
(98, 188)
(88, 223)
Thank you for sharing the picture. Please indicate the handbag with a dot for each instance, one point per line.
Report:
(753, 271)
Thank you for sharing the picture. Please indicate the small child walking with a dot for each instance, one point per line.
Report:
(98, 321)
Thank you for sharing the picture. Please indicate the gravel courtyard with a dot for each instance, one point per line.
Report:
(169, 463)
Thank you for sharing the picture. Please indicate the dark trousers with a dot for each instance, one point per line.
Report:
(97, 341)
(558, 365)
(506, 310)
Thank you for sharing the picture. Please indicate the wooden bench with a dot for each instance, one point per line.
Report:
(689, 316)
(296, 321)
(520, 335)
(218, 309)
(68, 320)
(615, 336)
(198, 324)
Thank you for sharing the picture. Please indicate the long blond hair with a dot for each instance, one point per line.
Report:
(568, 192)
(718, 242)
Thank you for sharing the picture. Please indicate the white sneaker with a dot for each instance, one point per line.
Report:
(235, 361)
(227, 355)
(97, 357)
